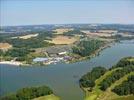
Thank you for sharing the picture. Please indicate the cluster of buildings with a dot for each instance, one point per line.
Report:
(51, 60)
(55, 54)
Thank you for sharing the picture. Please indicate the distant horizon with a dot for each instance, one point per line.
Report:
(69, 24)
(31, 12)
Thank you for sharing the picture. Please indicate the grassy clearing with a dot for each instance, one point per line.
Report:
(48, 97)
(5, 46)
(26, 36)
(92, 97)
(62, 30)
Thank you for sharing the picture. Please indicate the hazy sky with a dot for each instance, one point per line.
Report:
(24, 12)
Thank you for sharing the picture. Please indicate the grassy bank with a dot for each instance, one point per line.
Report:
(48, 97)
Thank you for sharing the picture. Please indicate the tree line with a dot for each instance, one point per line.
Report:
(126, 88)
(124, 62)
(29, 93)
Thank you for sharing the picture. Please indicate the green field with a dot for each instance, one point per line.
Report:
(48, 97)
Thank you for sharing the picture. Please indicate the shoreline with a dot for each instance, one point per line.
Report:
(12, 63)
(17, 63)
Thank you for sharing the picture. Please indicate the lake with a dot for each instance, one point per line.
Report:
(62, 78)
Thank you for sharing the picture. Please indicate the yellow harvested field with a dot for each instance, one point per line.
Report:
(5, 46)
(107, 31)
(63, 40)
(97, 34)
(26, 36)
(62, 30)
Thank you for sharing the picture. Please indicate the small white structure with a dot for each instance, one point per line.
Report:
(62, 53)
(40, 59)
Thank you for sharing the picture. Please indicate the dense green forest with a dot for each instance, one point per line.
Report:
(28, 43)
(87, 47)
(20, 54)
(88, 80)
(128, 61)
(127, 87)
(17, 52)
(29, 93)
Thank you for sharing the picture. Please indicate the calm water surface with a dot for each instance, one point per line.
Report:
(62, 78)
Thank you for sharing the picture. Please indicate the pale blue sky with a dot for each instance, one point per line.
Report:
(28, 12)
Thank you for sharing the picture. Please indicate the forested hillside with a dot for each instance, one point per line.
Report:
(112, 83)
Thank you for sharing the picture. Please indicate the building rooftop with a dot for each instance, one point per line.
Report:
(38, 59)
(58, 49)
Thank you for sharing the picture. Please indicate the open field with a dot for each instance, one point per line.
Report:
(107, 31)
(63, 40)
(48, 97)
(62, 30)
(93, 97)
(5, 46)
(26, 36)
(97, 34)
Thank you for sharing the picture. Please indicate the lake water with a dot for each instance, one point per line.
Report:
(62, 78)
